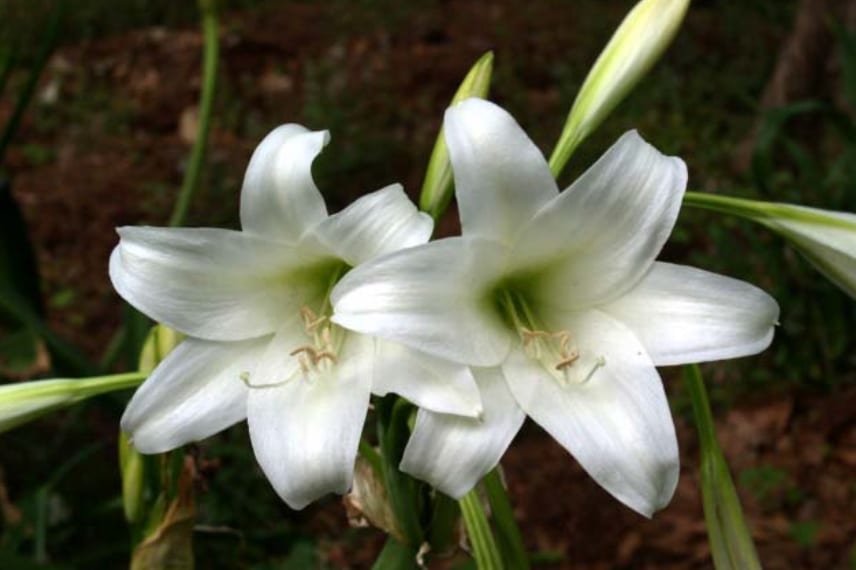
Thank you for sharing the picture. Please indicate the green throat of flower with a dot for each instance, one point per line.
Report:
(554, 350)
(318, 351)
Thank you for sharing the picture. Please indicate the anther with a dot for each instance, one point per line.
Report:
(305, 348)
(324, 354)
(567, 361)
(310, 320)
(314, 355)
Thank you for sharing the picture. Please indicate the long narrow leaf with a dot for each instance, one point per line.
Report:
(730, 540)
(403, 491)
(482, 542)
(510, 540)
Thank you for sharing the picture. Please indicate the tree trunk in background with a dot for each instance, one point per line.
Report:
(805, 67)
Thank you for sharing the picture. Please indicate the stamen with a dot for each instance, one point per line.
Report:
(566, 355)
(310, 320)
(562, 364)
(315, 355)
(320, 331)
(324, 354)
(309, 349)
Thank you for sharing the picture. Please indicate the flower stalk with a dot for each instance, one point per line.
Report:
(211, 54)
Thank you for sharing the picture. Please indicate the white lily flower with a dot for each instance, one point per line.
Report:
(255, 304)
(556, 301)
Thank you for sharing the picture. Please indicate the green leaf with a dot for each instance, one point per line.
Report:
(404, 491)
(395, 556)
(510, 540)
(481, 538)
(730, 540)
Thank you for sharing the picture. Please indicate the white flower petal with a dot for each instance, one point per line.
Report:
(305, 432)
(194, 393)
(277, 364)
(207, 283)
(501, 178)
(617, 423)
(453, 453)
(682, 314)
(374, 225)
(429, 382)
(279, 199)
(429, 298)
(601, 235)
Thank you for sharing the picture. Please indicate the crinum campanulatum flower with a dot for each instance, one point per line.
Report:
(255, 307)
(555, 301)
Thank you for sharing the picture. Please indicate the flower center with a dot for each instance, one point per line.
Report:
(323, 340)
(555, 351)
(315, 357)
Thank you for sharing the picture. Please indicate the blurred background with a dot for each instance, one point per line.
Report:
(757, 97)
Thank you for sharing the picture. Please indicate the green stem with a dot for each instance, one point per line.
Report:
(206, 103)
(210, 59)
(481, 539)
(763, 212)
(725, 204)
(730, 540)
(511, 541)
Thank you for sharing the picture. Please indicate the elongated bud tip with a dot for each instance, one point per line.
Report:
(437, 188)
